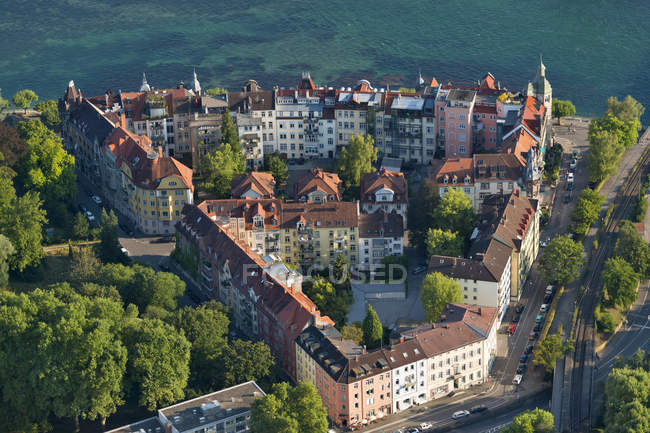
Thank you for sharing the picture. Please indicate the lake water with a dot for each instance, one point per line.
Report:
(592, 48)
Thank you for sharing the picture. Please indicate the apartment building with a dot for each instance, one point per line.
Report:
(326, 136)
(381, 234)
(454, 110)
(514, 220)
(224, 411)
(254, 184)
(385, 190)
(262, 306)
(359, 386)
(406, 127)
(148, 188)
(259, 103)
(318, 186)
(249, 129)
(355, 111)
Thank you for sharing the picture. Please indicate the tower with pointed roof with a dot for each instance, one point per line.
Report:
(196, 86)
(145, 86)
(541, 88)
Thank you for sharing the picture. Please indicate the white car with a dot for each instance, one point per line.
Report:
(97, 200)
(543, 308)
(570, 177)
(460, 414)
(573, 164)
(517, 379)
(90, 216)
(425, 426)
(125, 252)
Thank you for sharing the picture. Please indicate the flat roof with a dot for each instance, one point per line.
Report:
(149, 424)
(407, 103)
(210, 408)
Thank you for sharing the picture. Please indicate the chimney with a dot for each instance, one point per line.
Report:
(401, 339)
(159, 149)
(480, 311)
(363, 349)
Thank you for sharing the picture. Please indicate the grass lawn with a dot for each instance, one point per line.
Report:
(55, 270)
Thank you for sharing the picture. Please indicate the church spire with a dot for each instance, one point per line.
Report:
(541, 69)
(145, 86)
(196, 86)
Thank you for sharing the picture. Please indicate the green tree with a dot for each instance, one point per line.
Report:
(373, 331)
(206, 328)
(626, 132)
(4, 103)
(94, 290)
(632, 248)
(532, 421)
(49, 113)
(355, 160)
(561, 260)
(552, 162)
(84, 266)
(158, 362)
(620, 282)
(289, 410)
(24, 99)
(353, 332)
(244, 361)
(6, 250)
(230, 136)
(47, 167)
(606, 323)
(274, 163)
(437, 291)
(341, 270)
(547, 352)
(219, 167)
(455, 213)
(109, 247)
(80, 227)
(327, 298)
(562, 109)
(627, 408)
(216, 91)
(604, 155)
(587, 210)
(421, 212)
(628, 110)
(444, 243)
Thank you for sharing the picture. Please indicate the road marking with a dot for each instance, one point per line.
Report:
(497, 429)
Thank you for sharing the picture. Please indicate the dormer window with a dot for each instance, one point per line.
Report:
(446, 180)
(466, 180)
(258, 221)
(454, 180)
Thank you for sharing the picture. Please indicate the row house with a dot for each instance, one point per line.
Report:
(150, 189)
(263, 307)
(318, 186)
(381, 234)
(513, 219)
(386, 190)
(358, 386)
(305, 234)
(454, 115)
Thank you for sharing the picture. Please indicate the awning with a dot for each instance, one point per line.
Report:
(373, 418)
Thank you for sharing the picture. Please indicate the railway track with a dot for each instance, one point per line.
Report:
(581, 393)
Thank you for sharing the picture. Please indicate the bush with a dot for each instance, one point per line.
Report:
(640, 208)
(606, 323)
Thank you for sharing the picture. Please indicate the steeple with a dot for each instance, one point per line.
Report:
(541, 69)
(145, 86)
(420, 79)
(196, 86)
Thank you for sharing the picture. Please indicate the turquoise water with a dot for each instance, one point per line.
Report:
(592, 48)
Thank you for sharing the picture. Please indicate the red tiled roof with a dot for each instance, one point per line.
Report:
(262, 183)
(330, 215)
(270, 209)
(318, 180)
(454, 167)
(373, 182)
(381, 224)
(519, 143)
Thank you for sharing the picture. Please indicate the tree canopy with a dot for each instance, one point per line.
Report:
(289, 410)
(627, 405)
(455, 213)
(6, 250)
(373, 331)
(355, 160)
(4, 103)
(552, 162)
(444, 243)
(24, 99)
(353, 332)
(109, 247)
(620, 282)
(421, 212)
(12, 147)
(632, 248)
(562, 109)
(604, 155)
(274, 163)
(548, 351)
(628, 110)
(49, 113)
(531, 421)
(437, 291)
(561, 260)
(586, 211)
(244, 361)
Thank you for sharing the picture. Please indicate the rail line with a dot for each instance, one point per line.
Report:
(581, 393)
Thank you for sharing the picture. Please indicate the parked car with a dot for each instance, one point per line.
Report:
(478, 409)
(529, 349)
(539, 319)
(549, 289)
(569, 185)
(543, 308)
(567, 198)
(524, 358)
(419, 270)
(90, 216)
(548, 299)
(533, 335)
(512, 329)
(460, 414)
(543, 244)
(520, 308)
(164, 239)
(125, 252)
(292, 162)
(97, 200)
(575, 154)
(413, 430)
(522, 369)
(538, 327)
(516, 319)
(83, 208)
(570, 177)
(425, 425)
(517, 379)
(573, 163)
